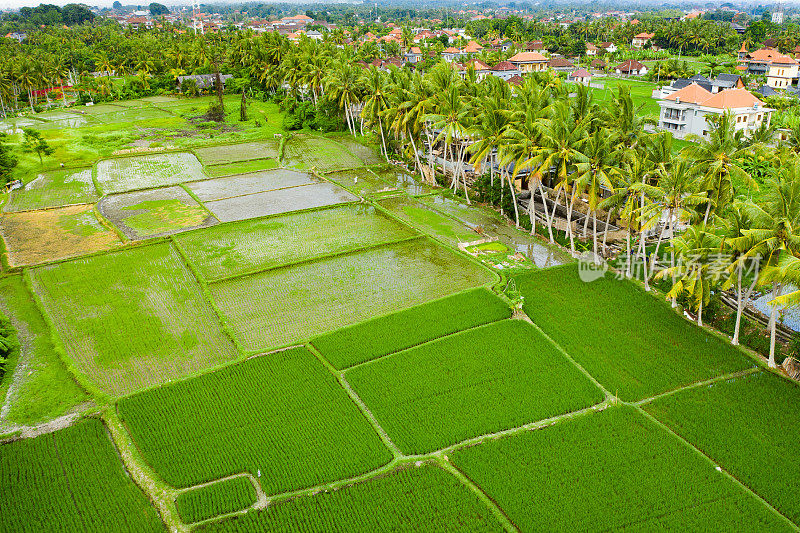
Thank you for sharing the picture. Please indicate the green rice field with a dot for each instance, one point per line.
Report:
(746, 425)
(254, 245)
(132, 319)
(71, 480)
(54, 189)
(473, 383)
(250, 423)
(426, 495)
(292, 304)
(610, 470)
(383, 335)
(208, 501)
(613, 341)
(228, 326)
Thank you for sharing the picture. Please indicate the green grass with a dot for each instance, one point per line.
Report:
(287, 305)
(43, 388)
(71, 480)
(132, 319)
(304, 152)
(216, 499)
(52, 189)
(281, 417)
(391, 333)
(147, 171)
(748, 425)
(481, 381)
(430, 221)
(241, 167)
(413, 498)
(252, 245)
(632, 343)
(609, 471)
(368, 154)
(641, 94)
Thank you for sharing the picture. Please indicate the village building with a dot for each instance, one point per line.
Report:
(580, 76)
(505, 70)
(529, 62)
(641, 40)
(631, 68)
(685, 112)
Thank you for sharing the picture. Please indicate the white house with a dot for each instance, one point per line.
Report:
(505, 70)
(685, 111)
(529, 61)
(640, 40)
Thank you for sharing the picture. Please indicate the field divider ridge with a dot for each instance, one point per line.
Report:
(423, 343)
(356, 399)
(349, 251)
(161, 494)
(194, 197)
(718, 467)
(711, 381)
(525, 317)
(492, 505)
(221, 318)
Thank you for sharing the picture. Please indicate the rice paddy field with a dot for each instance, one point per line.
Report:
(210, 328)
(146, 172)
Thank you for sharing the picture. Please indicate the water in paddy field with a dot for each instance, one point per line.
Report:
(406, 182)
(790, 318)
(493, 226)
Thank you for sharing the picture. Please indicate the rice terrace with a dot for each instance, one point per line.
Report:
(218, 316)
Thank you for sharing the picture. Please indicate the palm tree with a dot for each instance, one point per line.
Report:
(675, 194)
(376, 102)
(696, 250)
(560, 135)
(775, 232)
(717, 159)
(450, 116)
(596, 173)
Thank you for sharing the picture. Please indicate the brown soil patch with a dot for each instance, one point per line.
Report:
(35, 237)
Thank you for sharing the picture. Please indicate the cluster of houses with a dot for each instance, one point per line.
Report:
(780, 69)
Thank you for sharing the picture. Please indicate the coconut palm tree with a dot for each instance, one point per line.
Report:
(775, 232)
(376, 102)
(693, 274)
(717, 159)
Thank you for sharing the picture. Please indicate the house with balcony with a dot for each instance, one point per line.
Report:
(640, 40)
(529, 62)
(686, 112)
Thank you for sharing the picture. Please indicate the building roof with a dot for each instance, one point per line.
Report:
(527, 57)
(590, 46)
(692, 93)
(472, 47)
(733, 98)
(769, 55)
(630, 65)
(743, 49)
(478, 64)
(644, 35)
(580, 73)
(766, 90)
(416, 50)
(503, 66)
(514, 80)
(559, 62)
(599, 63)
(451, 50)
(727, 81)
